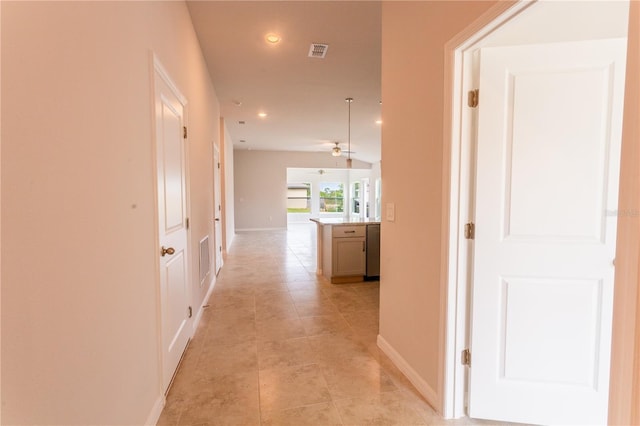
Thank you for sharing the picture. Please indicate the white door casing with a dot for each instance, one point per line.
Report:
(172, 220)
(549, 136)
(365, 209)
(217, 236)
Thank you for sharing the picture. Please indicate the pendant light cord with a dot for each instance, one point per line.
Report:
(349, 100)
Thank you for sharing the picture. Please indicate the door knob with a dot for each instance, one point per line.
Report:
(169, 251)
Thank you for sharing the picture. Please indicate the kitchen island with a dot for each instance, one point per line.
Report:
(348, 250)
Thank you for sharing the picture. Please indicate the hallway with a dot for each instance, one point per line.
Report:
(279, 346)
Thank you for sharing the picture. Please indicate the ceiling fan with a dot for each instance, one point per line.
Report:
(336, 151)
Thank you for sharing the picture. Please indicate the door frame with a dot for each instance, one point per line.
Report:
(457, 192)
(158, 70)
(217, 200)
(457, 189)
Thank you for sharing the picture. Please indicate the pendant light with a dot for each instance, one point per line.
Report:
(349, 161)
(336, 151)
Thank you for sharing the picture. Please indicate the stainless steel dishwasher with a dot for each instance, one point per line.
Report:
(373, 251)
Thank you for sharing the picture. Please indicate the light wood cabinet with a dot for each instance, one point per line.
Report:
(349, 256)
(343, 250)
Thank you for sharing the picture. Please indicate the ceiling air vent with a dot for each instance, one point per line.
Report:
(318, 50)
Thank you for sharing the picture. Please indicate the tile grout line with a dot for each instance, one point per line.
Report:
(255, 327)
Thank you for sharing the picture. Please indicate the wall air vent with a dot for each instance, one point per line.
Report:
(204, 259)
(318, 50)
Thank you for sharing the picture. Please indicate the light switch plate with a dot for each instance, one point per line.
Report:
(391, 212)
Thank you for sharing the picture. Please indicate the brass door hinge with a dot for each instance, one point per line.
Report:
(184, 132)
(186, 223)
(190, 312)
(473, 98)
(470, 231)
(466, 357)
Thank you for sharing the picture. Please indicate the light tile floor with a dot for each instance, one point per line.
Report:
(279, 346)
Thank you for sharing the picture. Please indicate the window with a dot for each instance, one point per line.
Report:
(299, 198)
(331, 197)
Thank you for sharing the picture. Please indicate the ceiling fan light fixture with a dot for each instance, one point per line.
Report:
(336, 151)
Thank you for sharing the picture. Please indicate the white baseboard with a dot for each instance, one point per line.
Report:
(421, 385)
(230, 239)
(154, 415)
(198, 316)
(260, 229)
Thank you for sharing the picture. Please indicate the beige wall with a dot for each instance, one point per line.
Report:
(79, 294)
(413, 37)
(0, 219)
(260, 184)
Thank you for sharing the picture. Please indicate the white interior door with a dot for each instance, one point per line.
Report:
(172, 208)
(217, 179)
(549, 135)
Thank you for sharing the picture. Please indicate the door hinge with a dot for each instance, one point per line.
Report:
(466, 357)
(184, 132)
(190, 312)
(470, 231)
(473, 98)
(186, 223)
(218, 164)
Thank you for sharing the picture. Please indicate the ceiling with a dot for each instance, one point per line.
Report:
(304, 97)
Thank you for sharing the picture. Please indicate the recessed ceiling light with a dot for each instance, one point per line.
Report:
(262, 114)
(272, 38)
(378, 121)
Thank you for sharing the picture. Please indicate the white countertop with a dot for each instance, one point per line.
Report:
(343, 221)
